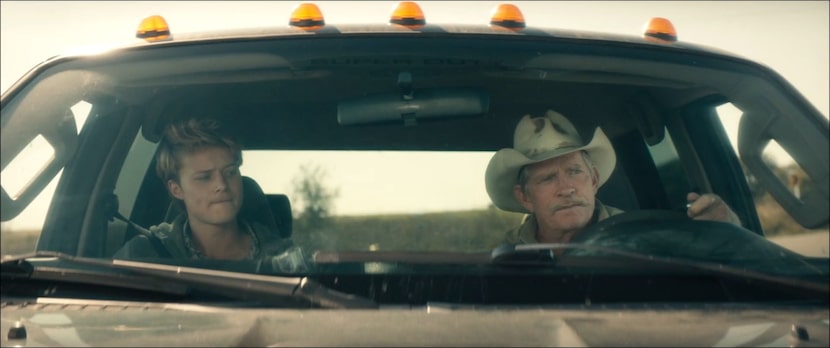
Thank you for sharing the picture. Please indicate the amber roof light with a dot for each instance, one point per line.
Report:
(660, 30)
(153, 28)
(408, 14)
(307, 16)
(507, 16)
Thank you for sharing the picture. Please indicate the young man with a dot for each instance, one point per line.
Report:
(553, 177)
(200, 167)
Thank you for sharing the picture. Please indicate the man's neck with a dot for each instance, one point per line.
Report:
(555, 236)
(216, 240)
(211, 231)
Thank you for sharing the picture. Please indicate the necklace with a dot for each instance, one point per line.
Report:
(197, 253)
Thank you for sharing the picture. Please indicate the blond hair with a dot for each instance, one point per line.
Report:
(186, 137)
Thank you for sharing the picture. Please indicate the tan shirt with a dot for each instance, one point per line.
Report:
(526, 232)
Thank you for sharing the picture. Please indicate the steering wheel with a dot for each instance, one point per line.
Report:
(672, 233)
(669, 233)
(629, 222)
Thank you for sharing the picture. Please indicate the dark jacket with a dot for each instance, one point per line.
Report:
(171, 238)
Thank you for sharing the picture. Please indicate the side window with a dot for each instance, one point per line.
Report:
(777, 223)
(673, 177)
(127, 190)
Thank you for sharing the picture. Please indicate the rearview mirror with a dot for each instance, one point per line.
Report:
(425, 103)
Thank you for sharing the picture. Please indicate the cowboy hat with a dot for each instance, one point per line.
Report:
(538, 139)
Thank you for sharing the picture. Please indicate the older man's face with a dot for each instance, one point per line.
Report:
(561, 192)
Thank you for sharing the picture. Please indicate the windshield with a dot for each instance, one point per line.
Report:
(405, 157)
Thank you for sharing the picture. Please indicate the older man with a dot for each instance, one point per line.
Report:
(553, 177)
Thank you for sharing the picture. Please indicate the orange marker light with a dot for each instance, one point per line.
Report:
(660, 30)
(408, 14)
(307, 16)
(153, 28)
(507, 16)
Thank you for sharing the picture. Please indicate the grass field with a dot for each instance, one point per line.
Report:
(474, 230)
(456, 231)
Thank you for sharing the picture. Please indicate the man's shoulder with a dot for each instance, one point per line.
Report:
(523, 233)
(614, 211)
(606, 211)
(167, 242)
(163, 230)
(139, 246)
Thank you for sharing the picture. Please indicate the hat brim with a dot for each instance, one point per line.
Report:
(503, 170)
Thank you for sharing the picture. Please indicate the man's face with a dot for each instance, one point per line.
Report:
(561, 192)
(210, 186)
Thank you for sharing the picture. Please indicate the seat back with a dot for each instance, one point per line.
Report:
(255, 206)
(281, 210)
(617, 192)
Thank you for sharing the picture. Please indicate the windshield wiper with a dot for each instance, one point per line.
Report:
(544, 255)
(50, 266)
(243, 286)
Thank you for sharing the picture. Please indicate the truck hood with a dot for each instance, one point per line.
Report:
(100, 323)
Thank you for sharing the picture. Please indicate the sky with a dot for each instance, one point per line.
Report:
(791, 37)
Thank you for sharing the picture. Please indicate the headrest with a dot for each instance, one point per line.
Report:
(255, 206)
(281, 209)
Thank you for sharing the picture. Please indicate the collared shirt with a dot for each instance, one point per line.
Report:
(265, 242)
(526, 232)
(197, 253)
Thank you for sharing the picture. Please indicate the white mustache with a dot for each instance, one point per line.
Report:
(568, 204)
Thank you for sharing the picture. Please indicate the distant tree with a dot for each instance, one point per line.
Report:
(314, 197)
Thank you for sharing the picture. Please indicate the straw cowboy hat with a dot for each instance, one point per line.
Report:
(538, 139)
